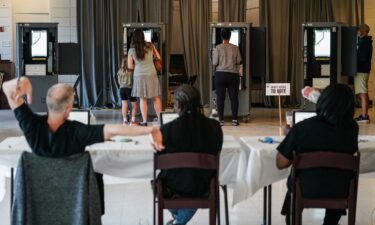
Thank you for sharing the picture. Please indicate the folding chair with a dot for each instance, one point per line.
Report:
(325, 160)
(186, 160)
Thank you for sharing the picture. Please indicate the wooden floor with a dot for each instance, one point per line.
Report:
(131, 204)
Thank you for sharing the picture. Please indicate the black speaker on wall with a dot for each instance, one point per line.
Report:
(69, 58)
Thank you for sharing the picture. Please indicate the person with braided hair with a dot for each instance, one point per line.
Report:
(192, 131)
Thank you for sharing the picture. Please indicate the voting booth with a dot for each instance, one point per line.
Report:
(240, 37)
(36, 58)
(250, 41)
(156, 34)
(329, 54)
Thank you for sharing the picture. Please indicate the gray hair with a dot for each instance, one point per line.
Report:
(365, 27)
(59, 96)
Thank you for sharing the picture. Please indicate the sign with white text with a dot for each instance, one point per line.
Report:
(277, 89)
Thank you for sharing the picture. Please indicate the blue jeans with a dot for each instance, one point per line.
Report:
(182, 216)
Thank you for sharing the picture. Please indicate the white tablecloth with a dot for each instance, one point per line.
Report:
(131, 160)
(261, 167)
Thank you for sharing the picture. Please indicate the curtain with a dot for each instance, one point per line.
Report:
(283, 20)
(195, 18)
(232, 10)
(154, 10)
(100, 38)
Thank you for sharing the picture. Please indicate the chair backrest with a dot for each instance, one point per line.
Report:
(186, 160)
(53, 190)
(326, 160)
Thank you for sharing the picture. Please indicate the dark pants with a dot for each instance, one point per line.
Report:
(332, 216)
(181, 216)
(224, 81)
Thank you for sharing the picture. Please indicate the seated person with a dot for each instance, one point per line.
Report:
(190, 132)
(55, 136)
(333, 130)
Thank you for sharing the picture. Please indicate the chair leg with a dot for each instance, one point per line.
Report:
(218, 209)
(351, 213)
(351, 217)
(212, 214)
(298, 215)
(160, 215)
(154, 211)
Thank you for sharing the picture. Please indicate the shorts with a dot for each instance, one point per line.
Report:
(361, 83)
(126, 94)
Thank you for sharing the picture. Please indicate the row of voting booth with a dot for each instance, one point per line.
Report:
(329, 54)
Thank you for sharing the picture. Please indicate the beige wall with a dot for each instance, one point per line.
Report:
(370, 20)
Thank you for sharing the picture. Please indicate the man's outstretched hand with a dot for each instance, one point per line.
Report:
(15, 90)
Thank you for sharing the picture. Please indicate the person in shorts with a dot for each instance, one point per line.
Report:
(364, 55)
(125, 79)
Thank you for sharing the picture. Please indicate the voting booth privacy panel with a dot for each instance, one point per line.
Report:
(329, 54)
(156, 34)
(36, 51)
(251, 41)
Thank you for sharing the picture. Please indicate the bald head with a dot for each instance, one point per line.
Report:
(60, 97)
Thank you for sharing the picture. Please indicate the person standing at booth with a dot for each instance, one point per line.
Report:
(125, 79)
(146, 83)
(364, 55)
(226, 59)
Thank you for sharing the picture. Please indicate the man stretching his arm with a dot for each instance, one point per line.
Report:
(53, 135)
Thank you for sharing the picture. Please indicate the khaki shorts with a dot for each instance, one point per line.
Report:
(361, 83)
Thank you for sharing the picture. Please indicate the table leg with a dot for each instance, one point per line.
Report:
(265, 205)
(11, 188)
(225, 190)
(269, 204)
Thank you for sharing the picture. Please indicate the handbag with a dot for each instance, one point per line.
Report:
(157, 61)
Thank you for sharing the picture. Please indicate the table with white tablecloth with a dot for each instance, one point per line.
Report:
(261, 167)
(131, 158)
(261, 171)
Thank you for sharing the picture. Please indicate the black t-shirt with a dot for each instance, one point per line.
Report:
(72, 137)
(185, 134)
(315, 134)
